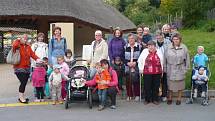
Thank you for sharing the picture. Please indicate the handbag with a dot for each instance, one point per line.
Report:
(13, 58)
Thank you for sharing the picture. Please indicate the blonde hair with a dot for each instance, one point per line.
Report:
(60, 57)
(200, 47)
(165, 26)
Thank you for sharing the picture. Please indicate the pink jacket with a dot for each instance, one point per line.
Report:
(113, 81)
(38, 77)
(65, 69)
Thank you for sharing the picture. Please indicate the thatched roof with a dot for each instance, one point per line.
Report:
(90, 11)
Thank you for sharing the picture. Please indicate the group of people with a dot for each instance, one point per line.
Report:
(162, 60)
(44, 64)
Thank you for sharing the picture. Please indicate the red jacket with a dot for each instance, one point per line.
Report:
(25, 52)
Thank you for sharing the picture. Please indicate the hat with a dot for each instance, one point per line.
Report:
(57, 66)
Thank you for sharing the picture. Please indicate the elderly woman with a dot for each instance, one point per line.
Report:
(116, 46)
(99, 49)
(22, 70)
(57, 46)
(150, 63)
(162, 44)
(132, 52)
(112, 85)
(176, 64)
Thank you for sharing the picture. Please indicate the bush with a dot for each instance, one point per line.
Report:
(209, 26)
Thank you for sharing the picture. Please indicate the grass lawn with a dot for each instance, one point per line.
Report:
(194, 38)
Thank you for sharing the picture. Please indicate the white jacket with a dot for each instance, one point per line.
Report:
(143, 56)
(40, 49)
(100, 52)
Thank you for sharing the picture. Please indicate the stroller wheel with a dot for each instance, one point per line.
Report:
(189, 101)
(66, 103)
(205, 102)
(90, 100)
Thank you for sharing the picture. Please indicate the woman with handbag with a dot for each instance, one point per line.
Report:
(22, 69)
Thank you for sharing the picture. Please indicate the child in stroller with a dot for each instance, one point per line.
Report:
(200, 79)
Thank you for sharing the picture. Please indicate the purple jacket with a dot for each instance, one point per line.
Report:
(116, 48)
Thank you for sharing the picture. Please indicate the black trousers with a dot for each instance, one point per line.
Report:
(23, 78)
(151, 86)
(112, 92)
(164, 85)
(40, 92)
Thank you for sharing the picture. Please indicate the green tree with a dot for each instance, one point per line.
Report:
(139, 11)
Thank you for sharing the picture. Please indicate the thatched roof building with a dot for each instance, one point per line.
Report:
(93, 12)
(85, 15)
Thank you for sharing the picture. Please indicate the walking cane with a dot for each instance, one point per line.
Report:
(130, 84)
(140, 86)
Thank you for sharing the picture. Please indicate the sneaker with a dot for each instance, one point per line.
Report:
(101, 107)
(128, 98)
(164, 99)
(60, 101)
(54, 103)
(112, 107)
(195, 93)
(37, 100)
(203, 94)
(137, 98)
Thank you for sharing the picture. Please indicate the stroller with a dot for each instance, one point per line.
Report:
(76, 89)
(192, 98)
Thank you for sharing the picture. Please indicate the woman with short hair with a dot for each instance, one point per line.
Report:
(57, 46)
(150, 64)
(176, 64)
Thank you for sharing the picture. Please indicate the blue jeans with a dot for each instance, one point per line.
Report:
(102, 96)
(54, 60)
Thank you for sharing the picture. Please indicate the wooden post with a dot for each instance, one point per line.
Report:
(43, 26)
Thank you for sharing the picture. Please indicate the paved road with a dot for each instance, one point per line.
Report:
(9, 84)
(126, 111)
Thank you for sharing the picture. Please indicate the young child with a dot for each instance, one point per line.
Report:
(119, 68)
(102, 78)
(38, 79)
(55, 80)
(46, 87)
(68, 57)
(200, 79)
(146, 36)
(65, 71)
(200, 59)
